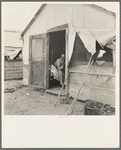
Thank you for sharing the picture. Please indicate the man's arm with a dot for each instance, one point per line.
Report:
(58, 65)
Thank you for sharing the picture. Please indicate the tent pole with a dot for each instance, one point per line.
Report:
(74, 101)
(85, 78)
(61, 90)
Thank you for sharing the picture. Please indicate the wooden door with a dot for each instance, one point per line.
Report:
(39, 60)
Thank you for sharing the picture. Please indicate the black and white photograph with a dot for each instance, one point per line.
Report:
(60, 60)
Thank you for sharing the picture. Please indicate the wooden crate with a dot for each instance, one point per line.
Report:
(13, 70)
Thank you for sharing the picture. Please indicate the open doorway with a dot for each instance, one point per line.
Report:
(56, 49)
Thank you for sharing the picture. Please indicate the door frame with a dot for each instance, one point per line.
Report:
(66, 29)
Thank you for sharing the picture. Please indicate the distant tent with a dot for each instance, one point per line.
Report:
(13, 54)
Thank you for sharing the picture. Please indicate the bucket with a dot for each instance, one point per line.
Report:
(93, 108)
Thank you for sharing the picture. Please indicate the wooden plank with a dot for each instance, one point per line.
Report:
(33, 59)
(47, 61)
(114, 58)
(56, 91)
(93, 80)
(10, 63)
(99, 70)
(81, 62)
(14, 76)
(26, 75)
(92, 73)
(30, 60)
(66, 62)
(38, 48)
(39, 36)
(58, 28)
(13, 70)
(38, 72)
(104, 95)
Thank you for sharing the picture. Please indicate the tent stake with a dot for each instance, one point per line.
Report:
(74, 101)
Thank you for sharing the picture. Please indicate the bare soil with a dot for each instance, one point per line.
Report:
(28, 101)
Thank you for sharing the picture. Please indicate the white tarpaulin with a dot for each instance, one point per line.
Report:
(8, 53)
(88, 40)
(86, 37)
(14, 54)
(72, 35)
(103, 36)
(111, 46)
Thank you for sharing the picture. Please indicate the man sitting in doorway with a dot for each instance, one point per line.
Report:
(60, 65)
(57, 69)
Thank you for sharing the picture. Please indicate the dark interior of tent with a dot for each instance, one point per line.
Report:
(81, 56)
(56, 48)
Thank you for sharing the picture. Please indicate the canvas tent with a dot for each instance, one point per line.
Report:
(79, 30)
(14, 54)
(12, 41)
(13, 64)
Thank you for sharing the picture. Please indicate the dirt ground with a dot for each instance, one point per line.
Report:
(28, 101)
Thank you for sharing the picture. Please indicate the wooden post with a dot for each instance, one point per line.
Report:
(114, 58)
(30, 60)
(47, 61)
(60, 91)
(5, 66)
(66, 63)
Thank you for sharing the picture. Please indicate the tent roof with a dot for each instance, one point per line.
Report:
(43, 6)
(33, 19)
(12, 38)
(103, 9)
